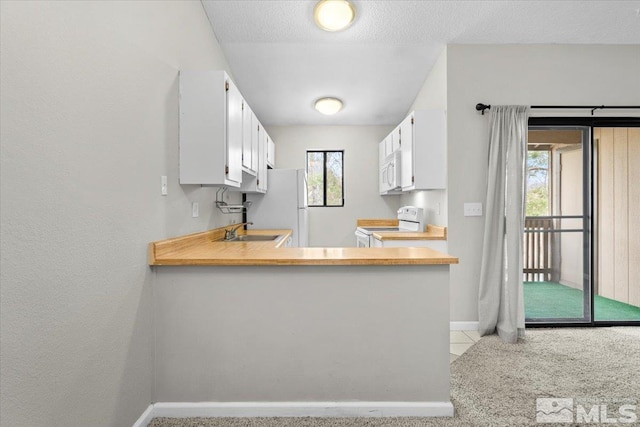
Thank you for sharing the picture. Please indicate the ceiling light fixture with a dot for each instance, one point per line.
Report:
(334, 15)
(328, 106)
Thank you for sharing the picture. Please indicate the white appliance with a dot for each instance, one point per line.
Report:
(410, 218)
(284, 205)
(390, 173)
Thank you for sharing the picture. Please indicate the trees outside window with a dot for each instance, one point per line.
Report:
(538, 183)
(325, 173)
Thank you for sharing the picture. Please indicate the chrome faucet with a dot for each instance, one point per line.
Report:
(232, 233)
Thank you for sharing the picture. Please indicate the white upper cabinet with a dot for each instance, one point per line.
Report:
(255, 142)
(423, 136)
(258, 183)
(234, 133)
(249, 144)
(394, 140)
(211, 124)
(271, 153)
(262, 162)
(390, 144)
(387, 176)
(407, 165)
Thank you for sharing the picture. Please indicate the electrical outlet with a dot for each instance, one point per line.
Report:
(473, 209)
(195, 210)
(163, 185)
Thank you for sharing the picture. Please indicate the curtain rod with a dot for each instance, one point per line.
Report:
(481, 107)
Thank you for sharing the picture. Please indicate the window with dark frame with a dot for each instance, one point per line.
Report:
(325, 178)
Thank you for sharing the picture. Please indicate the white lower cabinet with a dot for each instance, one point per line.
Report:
(437, 245)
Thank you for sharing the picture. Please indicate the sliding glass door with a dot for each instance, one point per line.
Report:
(581, 238)
(557, 238)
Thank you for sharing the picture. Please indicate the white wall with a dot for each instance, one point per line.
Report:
(432, 95)
(515, 74)
(330, 227)
(89, 124)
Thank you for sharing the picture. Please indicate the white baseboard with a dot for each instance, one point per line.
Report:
(145, 418)
(463, 326)
(296, 409)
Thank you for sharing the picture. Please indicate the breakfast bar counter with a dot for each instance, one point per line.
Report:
(300, 331)
(209, 248)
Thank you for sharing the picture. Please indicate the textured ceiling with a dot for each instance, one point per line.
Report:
(283, 62)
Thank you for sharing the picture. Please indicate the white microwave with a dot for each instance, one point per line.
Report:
(390, 172)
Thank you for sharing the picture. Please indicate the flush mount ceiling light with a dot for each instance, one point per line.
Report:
(334, 15)
(328, 106)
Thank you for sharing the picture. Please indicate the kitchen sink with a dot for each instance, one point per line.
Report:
(253, 238)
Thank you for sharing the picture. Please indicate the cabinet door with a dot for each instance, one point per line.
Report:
(247, 148)
(264, 181)
(388, 145)
(407, 160)
(255, 142)
(262, 159)
(271, 153)
(381, 157)
(395, 140)
(233, 169)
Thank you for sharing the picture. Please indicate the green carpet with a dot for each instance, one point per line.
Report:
(550, 300)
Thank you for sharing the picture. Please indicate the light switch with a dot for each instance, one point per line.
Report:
(473, 209)
(195, 210)
(163, 188)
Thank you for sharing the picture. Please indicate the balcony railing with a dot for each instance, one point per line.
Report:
(538, 249)
(541, 247)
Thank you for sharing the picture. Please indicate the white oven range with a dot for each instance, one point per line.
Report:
(410, 219)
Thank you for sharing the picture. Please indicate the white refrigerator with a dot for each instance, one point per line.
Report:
(284, 205)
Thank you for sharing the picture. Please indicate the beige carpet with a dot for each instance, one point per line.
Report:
(496, 384)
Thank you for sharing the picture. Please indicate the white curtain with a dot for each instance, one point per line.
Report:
(501, 302)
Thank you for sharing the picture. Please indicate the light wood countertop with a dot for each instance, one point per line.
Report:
(364, 222)
(433, 232)
(207, 248)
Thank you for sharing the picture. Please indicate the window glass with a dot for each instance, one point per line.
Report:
(325, 178)
(315, 178)
(538, 183)
(334, 178)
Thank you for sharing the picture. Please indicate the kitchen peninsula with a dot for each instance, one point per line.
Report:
(263, 329)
